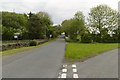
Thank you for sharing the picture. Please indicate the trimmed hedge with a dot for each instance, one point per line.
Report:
(33, 43)
(18, 45)
(13, 46)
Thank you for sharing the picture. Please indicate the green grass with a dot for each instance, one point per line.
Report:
(13, 51)
(22, 49)
(78, 51)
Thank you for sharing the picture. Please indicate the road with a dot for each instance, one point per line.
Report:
(43, 62)
(47, 61)
(102, 66)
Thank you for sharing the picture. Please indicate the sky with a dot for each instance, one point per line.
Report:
(58, 10)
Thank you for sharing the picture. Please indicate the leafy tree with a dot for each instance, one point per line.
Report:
(102, 20)
(52, 31)
(117, 31)
(80, 17)
(46, 22)
(39, 24)
(13, 22)
(8, 33)
(74, 27)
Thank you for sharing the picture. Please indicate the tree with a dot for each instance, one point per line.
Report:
(117, 31)
(13, 22)
(38, 25)
(80, 17)
(46, 22)
(102, 20)
(74, 27)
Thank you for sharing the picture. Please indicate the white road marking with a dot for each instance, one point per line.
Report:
(58, 76)
(74, 66)
(64, 65)
(74, 70)
(64, 70)
(63, 75)
(75, 75)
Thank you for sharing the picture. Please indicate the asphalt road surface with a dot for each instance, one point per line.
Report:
(102, 66)
(47, 61)
(43, 62)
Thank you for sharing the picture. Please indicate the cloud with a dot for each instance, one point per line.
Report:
(57, 9)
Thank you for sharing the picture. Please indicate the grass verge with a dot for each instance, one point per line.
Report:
(17, 50)
(78, 51)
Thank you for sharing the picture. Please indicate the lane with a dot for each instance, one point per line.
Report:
(101, 66)
(43, 62)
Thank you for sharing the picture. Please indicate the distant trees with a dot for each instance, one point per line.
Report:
(32, 26)
(74, 27)
(102, 26)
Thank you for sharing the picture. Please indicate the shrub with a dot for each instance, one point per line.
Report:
(67, 39)
(86, 38)
(33, 43)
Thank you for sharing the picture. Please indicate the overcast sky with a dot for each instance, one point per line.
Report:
(59, 10)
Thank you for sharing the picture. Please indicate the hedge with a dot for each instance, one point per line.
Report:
(18, 45)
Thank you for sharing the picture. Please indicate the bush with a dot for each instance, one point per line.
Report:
(13, 46)
(67, 39)
(33, 43)
(86, 38)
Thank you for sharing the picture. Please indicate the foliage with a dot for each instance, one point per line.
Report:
(39, 24)
(33, 43)
(103, 26)
(13, 22)
(67, 39)
(86, 38)
(36, 26)
(8, 33)
(103, 21)
(75, 26)
(52, 30)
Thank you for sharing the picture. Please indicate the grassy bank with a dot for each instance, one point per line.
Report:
(17, 50)
(77, 51)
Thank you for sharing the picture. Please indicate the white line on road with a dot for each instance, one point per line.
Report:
(65, 66)
(63, 75)
(74, 70)
(64, 70)
(75, 75)
(74, 66)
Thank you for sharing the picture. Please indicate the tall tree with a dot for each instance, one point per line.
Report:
(81, 18)
(74, 27)
(39, 24)
(13, 22)
(103, 20)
